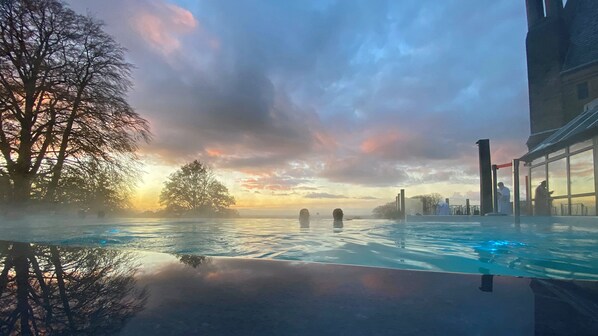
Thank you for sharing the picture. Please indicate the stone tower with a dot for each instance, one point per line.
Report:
(562, 62)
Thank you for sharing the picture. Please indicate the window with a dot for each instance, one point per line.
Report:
(582, 91)
(582, 172)
(557, 177)
(583, 206)
(581, 145)
(539, 160)
(560, 207)
(538, 175)
(557, 153)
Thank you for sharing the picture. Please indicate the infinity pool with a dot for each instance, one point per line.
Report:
(551, 249)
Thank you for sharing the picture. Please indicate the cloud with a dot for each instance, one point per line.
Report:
(364, 172)
(367, 198)
(162, 24)
(359, 92)
(323, 195)
(277, 181)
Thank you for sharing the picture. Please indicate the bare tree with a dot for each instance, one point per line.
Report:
(429, 202)
(63, 87)
(94, 186)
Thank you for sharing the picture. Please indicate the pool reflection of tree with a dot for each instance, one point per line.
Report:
(193, 260)
(57, 290)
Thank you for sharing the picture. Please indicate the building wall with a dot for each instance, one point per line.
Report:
(546, 45)
(572, 105)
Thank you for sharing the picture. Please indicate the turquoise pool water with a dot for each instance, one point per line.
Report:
(548, 249)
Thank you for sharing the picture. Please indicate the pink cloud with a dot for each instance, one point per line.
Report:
(182, 17)
(275, 181)
(211, 152)
(380, 141)
(163, 26)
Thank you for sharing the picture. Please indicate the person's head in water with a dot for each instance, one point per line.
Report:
(304, 217)
(337, 214)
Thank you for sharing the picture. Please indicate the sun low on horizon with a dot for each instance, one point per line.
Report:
(323, 104)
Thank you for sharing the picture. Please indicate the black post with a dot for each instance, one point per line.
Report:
(494, 189)
(403, 210)
(485, 176)
(516, 186)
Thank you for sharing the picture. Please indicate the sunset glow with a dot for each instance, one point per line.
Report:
(293, 105)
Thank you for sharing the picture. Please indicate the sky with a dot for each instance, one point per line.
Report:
(324, 104)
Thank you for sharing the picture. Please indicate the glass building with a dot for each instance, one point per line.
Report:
(567, 162)
(562, 66)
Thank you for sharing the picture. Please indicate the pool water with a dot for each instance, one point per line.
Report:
(547, 250)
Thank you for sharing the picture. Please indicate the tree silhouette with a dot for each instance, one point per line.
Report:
(429, 202)
(91, 185)
(194, 190)
(55, 290)
(386, 211)
(63, 86)
(193, 260)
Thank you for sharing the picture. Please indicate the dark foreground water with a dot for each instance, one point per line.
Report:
(57, 290)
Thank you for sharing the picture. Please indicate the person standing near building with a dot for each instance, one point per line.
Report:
(543, 200)
(504, 199)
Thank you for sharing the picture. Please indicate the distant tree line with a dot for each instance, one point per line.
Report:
(429, 202)
(390, 210)
(386, 211)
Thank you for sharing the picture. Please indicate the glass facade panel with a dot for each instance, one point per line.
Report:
(583, 206)
(538, 175)
(580, 145)
(560, 207)
(539, 160)
(557, 177)
(582, 172)
(557, 153)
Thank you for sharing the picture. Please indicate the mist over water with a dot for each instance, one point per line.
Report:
(542, 250)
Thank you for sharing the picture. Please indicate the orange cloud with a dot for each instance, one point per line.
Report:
(214, 152)
(263, 184)
(163, 27)
(382, 140)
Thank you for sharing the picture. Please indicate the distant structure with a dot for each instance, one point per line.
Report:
(562, 61)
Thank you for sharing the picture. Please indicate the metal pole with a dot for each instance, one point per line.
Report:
(528, 196)
(494, 189)
(403, 212)
(485, 176)
(516, 203)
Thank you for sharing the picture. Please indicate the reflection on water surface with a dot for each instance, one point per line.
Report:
(543, 249)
